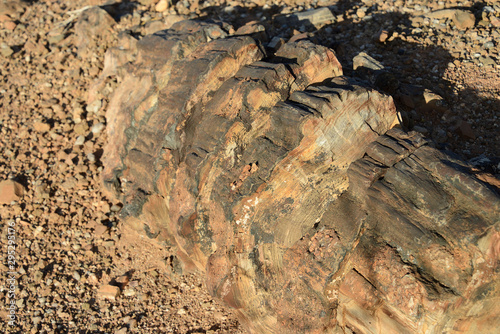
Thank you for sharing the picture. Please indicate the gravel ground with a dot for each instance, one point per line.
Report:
(77, 269)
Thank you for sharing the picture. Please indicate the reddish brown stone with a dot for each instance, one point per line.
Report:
(10, 25)
(4, 18)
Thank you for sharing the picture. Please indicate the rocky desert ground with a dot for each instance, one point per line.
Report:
(68, 264)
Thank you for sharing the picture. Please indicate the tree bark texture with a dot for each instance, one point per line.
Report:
(287, 185)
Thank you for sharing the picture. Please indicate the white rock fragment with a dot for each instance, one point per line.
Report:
(80, 141)
(94, 106)
(96, 128)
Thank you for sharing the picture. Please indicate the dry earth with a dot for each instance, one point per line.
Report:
(78, 270)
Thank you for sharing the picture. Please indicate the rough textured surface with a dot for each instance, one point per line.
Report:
(10, 190)
(70, 240)
(287, 185)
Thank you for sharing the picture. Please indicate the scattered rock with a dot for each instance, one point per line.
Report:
(162, 5)
(81, 128)
(80, 140)
(108, 292)
(495, 21)
(10, 25)
(366, 61)
(153, 26)
(128, 292)
(432, 102)
(382, 36)
(465, 130)
(123, 280)
(94, 106)
(254, 29)
(172, 19)
(92, 23)
(420, 129)
(54, 39)
(275, 43)
(41, 127)
(100, 229)
(442, 14)
(315, 18)
(10, 191)
(6, 50)
(122, 331)
(463, 19)
(487, 61)
(361, 12)
(11, 8)
(69, 183)
(97, 128)
(132, 323)
(4, 18)
(299, 37)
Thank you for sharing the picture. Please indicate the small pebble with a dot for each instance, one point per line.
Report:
(96, 128)
(80, 140)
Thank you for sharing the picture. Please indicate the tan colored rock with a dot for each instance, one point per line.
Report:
(382, 36)
(35, 48)
(12, 8)
(364, 60)
(162, 5)
(41, 127)
(108, 292)
(254, 29)
(495, 21)
(442, 14)
(4, 18)
(123, 280)
(10, 25)
(92, 24)
(123, 330)
(463, 19)
(153, 26)
(5, 50)
(10, 191)
(172, 19)
(361, 13)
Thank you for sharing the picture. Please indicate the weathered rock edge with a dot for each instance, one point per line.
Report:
(286, 184)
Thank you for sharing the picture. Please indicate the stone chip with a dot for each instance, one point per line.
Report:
(108, 292)
(10, 191)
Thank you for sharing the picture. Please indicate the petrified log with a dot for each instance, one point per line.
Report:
(289, 187)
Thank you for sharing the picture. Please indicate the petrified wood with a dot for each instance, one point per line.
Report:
(290, 187)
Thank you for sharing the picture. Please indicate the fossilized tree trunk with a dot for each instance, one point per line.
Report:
(286, 184)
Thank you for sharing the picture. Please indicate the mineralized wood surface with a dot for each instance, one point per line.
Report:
(289, 187)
